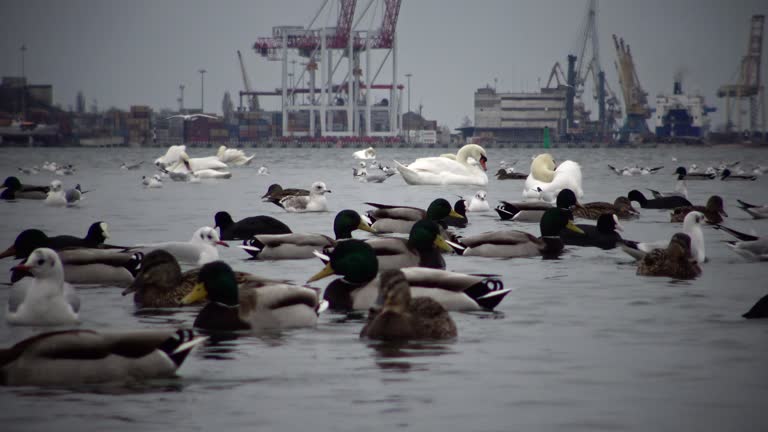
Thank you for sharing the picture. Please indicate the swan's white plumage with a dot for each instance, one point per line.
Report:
(551, 182)
(441, 170)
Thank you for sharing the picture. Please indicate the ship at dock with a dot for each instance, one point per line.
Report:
(681, 117)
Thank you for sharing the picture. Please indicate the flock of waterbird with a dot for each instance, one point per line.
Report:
(401, 281)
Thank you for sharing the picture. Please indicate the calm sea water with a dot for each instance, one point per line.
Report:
(581, 344)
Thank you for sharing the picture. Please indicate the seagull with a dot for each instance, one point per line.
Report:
(44, 299)
(314, 202)
(479, 203)
(198, 250)
(154, 182)
(131, 166)
(191, 116)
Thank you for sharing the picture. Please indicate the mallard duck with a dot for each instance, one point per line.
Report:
(160, 282)
(13, 189)
(396, 316)
(42, 302)
(756, 211)
(727, 175)
(302, 245)
(713, 211)
(602, 235)
(621, 207)
(400, 219)
(31, 239)
(657, 203)
(356, 262)
(86, 357)
(419, 250)
(506, 174)
(681, 171)
(460, 221)
(533, 211)
(82, 265)
(248, 227)
(260, 305)
(759, 310)
(675, 261)
(750, 247)
(516, 244)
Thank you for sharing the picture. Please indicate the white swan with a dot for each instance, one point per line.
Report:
(369, 153)
(551, 181)
(441, 170)
(233, 156)
(175, 154)
(184, 170)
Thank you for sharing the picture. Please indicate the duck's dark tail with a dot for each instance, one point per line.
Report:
(506, 210)
(488, 293)
(179, 345)
(739, 235)
(759, 310)
(746, 205)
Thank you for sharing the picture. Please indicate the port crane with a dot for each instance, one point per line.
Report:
(749, 84)
(587, 55)
(253, 98)
(635, 128)
(342, 104)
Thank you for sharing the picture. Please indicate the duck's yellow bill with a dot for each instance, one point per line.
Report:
(324, 273)
(456, 215)
(574, 228)
(442, 245)
(365, 227)
(198, 294)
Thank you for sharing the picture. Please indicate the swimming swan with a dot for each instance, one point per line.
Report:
(550, 180)
(444, 171)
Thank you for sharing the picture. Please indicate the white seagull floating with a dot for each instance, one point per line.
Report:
(44, 299)
(191, 116)
(199, 250)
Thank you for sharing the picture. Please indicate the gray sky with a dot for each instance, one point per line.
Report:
(138, 52)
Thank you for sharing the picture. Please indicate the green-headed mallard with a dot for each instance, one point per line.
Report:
(514, 244)
(75, 357)
(713, 211)
(603, 235)
(13, 189)
(532, 211)
(397, 316)
(667, 202)
(422, 248)
(400, 219)
(356, 262)
(260, 305)
(675, 261)
(301, 245)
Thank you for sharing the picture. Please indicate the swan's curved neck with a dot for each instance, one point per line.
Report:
(541, 172)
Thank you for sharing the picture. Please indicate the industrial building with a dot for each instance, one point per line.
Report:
(519, 117)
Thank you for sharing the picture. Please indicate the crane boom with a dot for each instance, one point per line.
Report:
(253, 102)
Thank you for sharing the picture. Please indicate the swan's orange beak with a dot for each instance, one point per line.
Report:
(483, 160)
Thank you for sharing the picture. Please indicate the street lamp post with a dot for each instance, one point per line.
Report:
(202, 90)
(408, 75)
(23, 50)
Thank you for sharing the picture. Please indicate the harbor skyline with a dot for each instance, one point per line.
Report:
(123, 54)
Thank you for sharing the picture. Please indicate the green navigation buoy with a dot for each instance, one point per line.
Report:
(546, 137)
